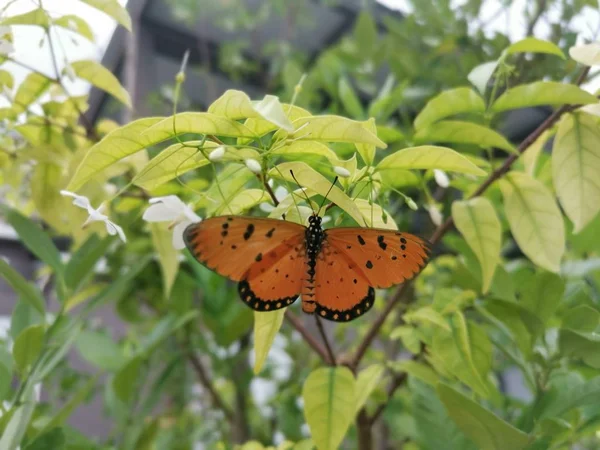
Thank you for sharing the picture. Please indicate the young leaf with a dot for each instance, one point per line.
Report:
(102, 78)
(530, 157)
(314, 181)
(34, 17)
(349, 99)
(199, 123)
(544, 295)
(429, 157)
(417, 370)
(82, 262)
(477, 221)
(75, 24)
(17, 425)
(260, 126)
(125, 380)
(366, 382)
(534, 45)
(449, 103)
(480, 75)
(30, 90)
(113, 9)
(28, 346)
(486, 429)
(243, 201)
(582, 318)
(542, 93)
(455, 131)
(100, 350)
(75, 399)
(297, 149)
(27, 292)
(575, 168)
(6, 373)
(266, 326)
(167, 255)
(234, 105)
(367, 151)
(329, 400)
(53, 439)
(427, 314)
(535, 220)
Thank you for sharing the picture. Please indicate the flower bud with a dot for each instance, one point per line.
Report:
(217, 154)
(253, 165)
(341, 171)
(411, 204)
(441, 178)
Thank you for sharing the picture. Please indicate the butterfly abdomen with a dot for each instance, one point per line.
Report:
(313, 241)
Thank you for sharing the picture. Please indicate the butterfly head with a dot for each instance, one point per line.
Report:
(314, 220)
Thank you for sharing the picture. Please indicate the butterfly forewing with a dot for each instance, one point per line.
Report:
(383, 257)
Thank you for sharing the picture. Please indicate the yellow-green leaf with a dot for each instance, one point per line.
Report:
(477, 221)
(28, 346)
(334, 129)
(428, 315)
(576, 166)
(449, 103)
(417, 370)
(266, 326)
(113, 9)
(367, 151)
(172, 162)
(482, 426)
(530, 157)
(535, 220)
(373, 215)
(429, 157)
(303, 148)
(6, 79)
(542, 93)
(455, 131)
(46, 183)
(234, 105)
(34, 17)
(200, 123)
(167, 255)
(116, 145)
(366, 382)
(349, 99)
(243, 201)
(329, 400)
(260, 126)
(102, 78)
(30, 90)
(314, 181)
(75, 24)
(534, 45)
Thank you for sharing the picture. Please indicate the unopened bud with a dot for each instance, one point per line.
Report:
(441, 178)
(253, 165)
(217, 154)
(411, 204)
(180, 77)
(341, 171)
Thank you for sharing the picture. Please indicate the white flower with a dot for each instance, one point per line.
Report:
(217, 154)
(587, 54)
(271, 109)
(341, 171)
(253, 165)
(95, 215)
(280, 193)
(441, 178)
(435, 214)
(172, 209)
(6, 41)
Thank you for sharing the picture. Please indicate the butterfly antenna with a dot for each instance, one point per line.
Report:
(325, 198)
(303, 191)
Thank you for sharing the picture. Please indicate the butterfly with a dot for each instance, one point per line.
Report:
(335, 271)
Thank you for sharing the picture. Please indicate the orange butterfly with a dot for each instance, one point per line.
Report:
(334, 270)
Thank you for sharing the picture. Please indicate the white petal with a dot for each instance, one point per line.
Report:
(178, 230)
(593, 109)
(587, 54)
(441, 178)
(6, 41)
(80, 200)
(190, 215)
(253, 165)
(266, 207)
(435, 214)
(280, 192)
(217, 154)
(271, 109)
(112, 229)
(481, 74)
(164, 209)
(341, 171)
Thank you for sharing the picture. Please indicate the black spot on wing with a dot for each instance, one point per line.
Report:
(380, 241)
(361, 241)
(369, 265)
(249, 231)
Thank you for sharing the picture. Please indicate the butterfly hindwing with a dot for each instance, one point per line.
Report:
(383, 257)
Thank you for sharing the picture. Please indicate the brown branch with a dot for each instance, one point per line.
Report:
(310, 340)
(330, 353)
(447, 225)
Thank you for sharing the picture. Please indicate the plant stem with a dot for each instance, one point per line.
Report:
(321, 329)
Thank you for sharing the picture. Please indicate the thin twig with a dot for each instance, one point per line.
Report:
(447, 225)
(310, 340)
(332, 357)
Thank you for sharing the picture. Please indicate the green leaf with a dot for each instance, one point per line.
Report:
(113, 9)
(299, 149)
(102, 78)
(23, 316)
(34, 85)
(429, 157)
(477, 221)
(115, 146)
(6, 79)
(455, 131)
(534, 45)
(544, 295)
(81, 265)
(329, 399)
(75, 24)
(233, 105)
(409, 336)
(53, 439)
(46, 181)
(575, 344)
(260, 126)
(575, 168)
(28, 346)
(314, 181)
(266, 326)
(125, 380)
(366, 382)
(426, 314)
(566, 392)
(365, 33)
(349, 99)
(34, 17)
(243, 201)
(367, 151)
(449, 103)
(531, 156)
(75, 399)
(582, 318)
(36, 240)
(17, 426)
(167, 255)
(542, 93)
(100, 350)
(486, 429)
(334, 129)
(172, 162)
(6, 373)
(27, 292)
(480, 75)
(535, 220)
(417, 370)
